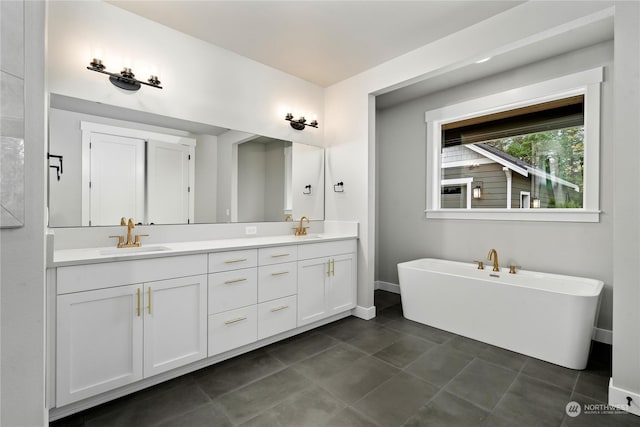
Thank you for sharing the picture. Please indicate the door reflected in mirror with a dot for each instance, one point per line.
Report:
(120, 163)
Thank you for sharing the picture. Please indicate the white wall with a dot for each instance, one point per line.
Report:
(202, 83)
(251, 180)
(206, 179)
(23, 253)
(626, 233)
(274, 183)
(577, 249)
(307, 169)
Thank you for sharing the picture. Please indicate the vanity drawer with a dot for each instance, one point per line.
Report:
(232, 260)
(276, 316)
(232, 289)
(78, 278)
(318, 250)
(232, 329)
(277, 281)
(278, 254)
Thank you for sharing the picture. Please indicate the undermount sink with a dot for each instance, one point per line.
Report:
(136, 250)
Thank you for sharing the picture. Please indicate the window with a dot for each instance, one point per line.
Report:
(531, 153)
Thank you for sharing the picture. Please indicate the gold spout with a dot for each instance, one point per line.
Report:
(288, 218)
(130, 226)
(493, 253)
(300, 230)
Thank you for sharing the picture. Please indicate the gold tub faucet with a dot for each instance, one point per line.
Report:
(493, 253)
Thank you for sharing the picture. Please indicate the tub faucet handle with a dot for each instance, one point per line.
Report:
(480, 264)
(512, 268)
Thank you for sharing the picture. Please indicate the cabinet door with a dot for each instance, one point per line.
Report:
(341, 289)
(99, 342)
(175, 323)
(312, 299)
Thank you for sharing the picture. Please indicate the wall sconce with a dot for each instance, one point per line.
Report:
(126, 79)
(301, 122)
(477, 192)
(307, 189)
(340, 187)
(535, 203)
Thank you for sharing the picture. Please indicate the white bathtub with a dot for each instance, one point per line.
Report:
(546, 316)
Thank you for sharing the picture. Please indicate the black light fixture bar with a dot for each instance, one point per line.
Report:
(125, 79)
(301, 122)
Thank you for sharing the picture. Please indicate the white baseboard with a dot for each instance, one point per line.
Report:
(387, 286)
(601, 335)
(618, 399)
(366, 313)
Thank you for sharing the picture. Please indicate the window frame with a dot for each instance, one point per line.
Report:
(585, 83)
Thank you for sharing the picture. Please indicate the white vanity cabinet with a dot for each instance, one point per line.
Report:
(326, 280)
(121, 333)
(120, 323)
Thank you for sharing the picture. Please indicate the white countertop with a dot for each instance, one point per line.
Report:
(79, 256)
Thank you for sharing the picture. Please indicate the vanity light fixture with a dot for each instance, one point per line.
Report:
(125, 79)
(301, 122)
(477, 192)
(535, 203)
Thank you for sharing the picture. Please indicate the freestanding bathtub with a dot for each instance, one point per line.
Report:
(546, 316)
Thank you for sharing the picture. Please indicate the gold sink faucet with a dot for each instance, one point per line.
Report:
(493, 253)
(129, 242)
(300, 230)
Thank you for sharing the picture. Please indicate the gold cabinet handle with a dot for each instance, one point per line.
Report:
(231, 322)
(231, 261)
(138, 308)
(333, 267)
(279, 308)
(149, 307)
(279, 255)
(328, 267)
(279, 273)
(228, 282)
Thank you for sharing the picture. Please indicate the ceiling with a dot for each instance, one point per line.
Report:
(558, 44)
(322, 42)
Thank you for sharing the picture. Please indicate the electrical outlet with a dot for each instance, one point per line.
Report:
(251, 229)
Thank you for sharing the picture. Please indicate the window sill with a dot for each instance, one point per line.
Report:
(548, 215)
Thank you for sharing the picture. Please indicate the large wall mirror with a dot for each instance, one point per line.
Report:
(161, 170)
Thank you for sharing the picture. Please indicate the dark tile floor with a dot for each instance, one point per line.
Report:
(385, 372)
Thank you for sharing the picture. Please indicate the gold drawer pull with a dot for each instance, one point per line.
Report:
(228, 282)
(279, 308)
(149, 301)
(279, 255)
(239, 319)
(138, 310)
(280, 273)
(231, 261)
